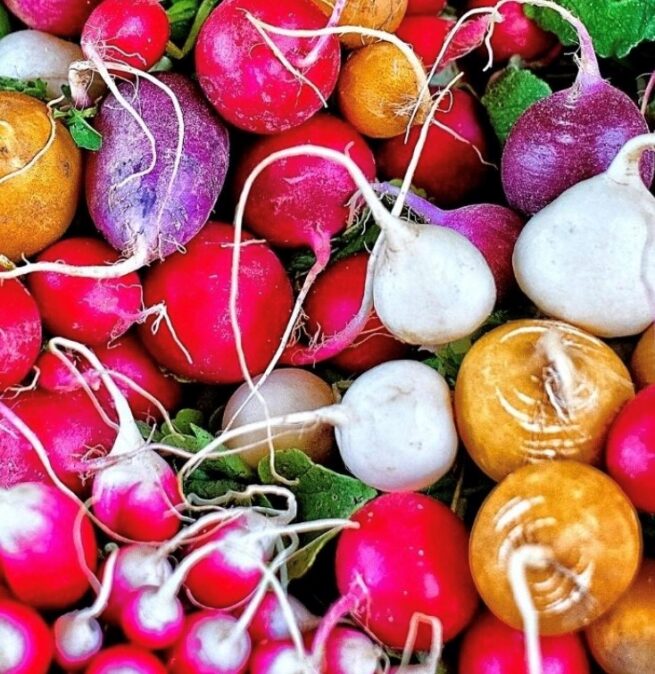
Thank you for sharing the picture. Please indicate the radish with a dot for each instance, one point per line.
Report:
(419, 567)
(269, 622)
(210, 644)
(491, 228)
(425, 7)
(242, 70)
(587, 257)
(20, 333)
(125, 660)
(89, 310)
(491, 647)
(59, 17)
(426, 34)
(278, 657)
(134, 32)
(25, 640)
(348, 651)
(201, 278)
(631, 450)
(570, 135)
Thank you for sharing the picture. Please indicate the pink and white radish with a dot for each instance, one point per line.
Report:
(279, 657)
(269, 622)
(25, 640)
(125, 659)
(587, 258)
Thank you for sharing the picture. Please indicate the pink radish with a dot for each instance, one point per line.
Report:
(125, 660)
(210, 644)
(134, 32)
(25, 640)
(348, 651)
(241, 73)
(59, 17)
(269, 622)
(88, 310)
(201, 278)
(20, 333)
(278, 657)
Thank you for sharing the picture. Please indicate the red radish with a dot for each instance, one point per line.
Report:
(242, 75)
(387, 572)
(92, 311)
(195, 286)
(71, 430)
(631, 450)
(491, 228)
(570, 135)
(516, 34)
(278, 657)
(333, 302)
(269, 623)
(59, 17)
(55, 376)
(40, 534)
(125, 660)
(426, 34)
(303, 201)
(348, 651)
(431, 7)
(451, 167)
(210, 644)
(25, 640)
(133, 32)
(491, 647)
(20, 333)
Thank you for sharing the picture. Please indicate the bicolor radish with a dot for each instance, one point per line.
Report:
(125, 658)
(25, 640)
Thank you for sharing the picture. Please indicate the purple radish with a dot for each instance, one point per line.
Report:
(570, 135)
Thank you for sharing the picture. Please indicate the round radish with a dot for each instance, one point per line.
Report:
(59, 17)
(348, 651)
(426, 34)
(631, 450)
(195, 287)
(409, 554)
(77, 640)
(491, 647)
(269, 623)
(20, 333)
(125, 659)
(570, 135)
(134, 32)
(242, 76)
(89, 310)
(278, 657)
(25, 640)
(425, 7)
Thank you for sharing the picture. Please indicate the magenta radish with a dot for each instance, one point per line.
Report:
(20, 333)
(419, 567)
(59, 17)
(195, 287)
(278, 657)
(609, 293)
(210, 644)
(125, 659)
(570, 135)
(91, 311)
(348, 651)
(269, 622)
(25, 640)
(491, 228)
(134, 32)
(241, 73)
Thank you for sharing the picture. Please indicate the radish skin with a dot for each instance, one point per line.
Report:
(25, 640)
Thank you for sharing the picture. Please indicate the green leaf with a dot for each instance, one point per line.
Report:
(509, 95)
(615, 26)
(35, 88)
(210, 489)
(84, 135)
(5, 26)
(322, 493)
(186, 418)
(303, 559)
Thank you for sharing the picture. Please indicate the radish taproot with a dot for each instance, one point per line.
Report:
(642, 363)
(20, 333)
(58, 17)
(587, 257)
(125, 658)
(570, 135)
(533, 390)
(241, 74)
(25, 640)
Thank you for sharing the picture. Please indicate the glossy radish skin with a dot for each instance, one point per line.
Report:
(38, 531)
(142, 216)
(195, 287)
(241, 75)
(133, 32)
(228, 576)
(137, 566)
(150, 620)
(631, 450)
(450, 169)
(331, 305)
(269, 622)
(20, 333)
(125, 659)
(491, 647)
(88, 310)
(70, 428)
(302, 201)
(25, 640)
(516, 34)
(408, 568)
(210, 644)
(425, 33)
(58, 17)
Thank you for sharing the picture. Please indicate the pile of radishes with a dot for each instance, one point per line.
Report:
(277, 311)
